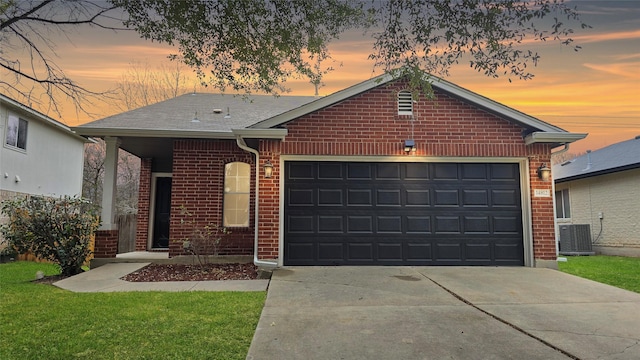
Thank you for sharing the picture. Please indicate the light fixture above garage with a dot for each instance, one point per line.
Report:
(409, 146)
(544, 172)
(268, 169)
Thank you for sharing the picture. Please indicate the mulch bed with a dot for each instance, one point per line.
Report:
(182, 272)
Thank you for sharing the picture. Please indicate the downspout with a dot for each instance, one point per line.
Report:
(553, 191)
(268, 264)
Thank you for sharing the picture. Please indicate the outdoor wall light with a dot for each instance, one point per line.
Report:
(268, 169)
(409, 146)
(544, 173)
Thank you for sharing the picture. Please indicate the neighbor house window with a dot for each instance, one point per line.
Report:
(237, 181)
(405, 103)
(563, 206)
(17, 132)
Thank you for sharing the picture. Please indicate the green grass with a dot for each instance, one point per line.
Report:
(622, 272)
(40, 321)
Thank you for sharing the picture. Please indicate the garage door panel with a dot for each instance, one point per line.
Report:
(402, 213)
(301, 197)
(330, 171)
(299, 224)
(473, 172)
(449, 251)
(388, 171)
(359, 197)
(504, 173)
(389, 224)
(446, 198)
(475, 198)
(505, 198)
(360, 251)
(476, 225)
(329, 224)
(478, 251)
(330, 252)
(416, 171)
(359, 171)
(447, 225)
(419, 251)
(390, 251)
(418, 224)
(388, 197)
(330, 197)
(445, 171)
(415, 197)
(360, 224)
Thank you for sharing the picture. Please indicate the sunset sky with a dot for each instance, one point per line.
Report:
(595, 90)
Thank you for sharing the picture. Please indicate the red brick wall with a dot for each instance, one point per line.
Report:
(197, 185)
(144, 198)
(106, 244)
(368, 124)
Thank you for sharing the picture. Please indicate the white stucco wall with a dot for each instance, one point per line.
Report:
(617, 197)
(52, 163)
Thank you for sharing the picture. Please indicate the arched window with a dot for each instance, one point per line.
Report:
(237, 183)
(405, 103)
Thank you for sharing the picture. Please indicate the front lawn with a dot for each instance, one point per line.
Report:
(40, 321)
(622, 272)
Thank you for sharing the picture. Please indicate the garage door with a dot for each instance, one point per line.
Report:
(357, 213)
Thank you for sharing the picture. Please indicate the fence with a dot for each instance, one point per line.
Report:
(126, 232)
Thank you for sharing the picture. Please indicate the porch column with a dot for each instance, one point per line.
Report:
(109, 185)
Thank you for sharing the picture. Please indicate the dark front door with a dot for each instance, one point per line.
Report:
(357, 213)
(162, 213)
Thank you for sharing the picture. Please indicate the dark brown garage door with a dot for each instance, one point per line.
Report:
(356, 213)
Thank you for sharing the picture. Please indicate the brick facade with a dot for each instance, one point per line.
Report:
(106, 244)
(197, 185)
(144, 201)
(368, 124)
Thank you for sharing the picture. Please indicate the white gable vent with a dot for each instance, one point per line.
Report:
(405, 103)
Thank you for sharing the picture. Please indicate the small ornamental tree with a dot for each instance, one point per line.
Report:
(55, 229)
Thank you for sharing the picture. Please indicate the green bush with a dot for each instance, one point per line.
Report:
(56, 229)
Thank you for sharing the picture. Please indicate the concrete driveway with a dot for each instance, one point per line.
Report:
(444, 313)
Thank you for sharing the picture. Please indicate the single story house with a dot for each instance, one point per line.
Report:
(369, 175)
(602, 189)
(39, 155)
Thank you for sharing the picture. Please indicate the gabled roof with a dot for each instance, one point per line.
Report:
(260, 115)
(613, 158)
(194, 115)
(36, 115)
(538, 130)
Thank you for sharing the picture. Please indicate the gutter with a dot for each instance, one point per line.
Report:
(267, 264)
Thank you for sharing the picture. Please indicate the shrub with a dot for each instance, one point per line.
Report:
(56, 229)
(204, 239)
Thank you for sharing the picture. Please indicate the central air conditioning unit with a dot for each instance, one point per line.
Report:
(575, 239)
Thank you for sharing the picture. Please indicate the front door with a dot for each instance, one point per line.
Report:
(162, 213)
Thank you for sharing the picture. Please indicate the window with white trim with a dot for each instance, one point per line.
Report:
(405, 103)
(237, 183)
(16, 134)
(563, 205)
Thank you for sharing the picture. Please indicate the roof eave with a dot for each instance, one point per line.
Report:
(559, 138)
(277, 134)
(598, 173)
(153, 133)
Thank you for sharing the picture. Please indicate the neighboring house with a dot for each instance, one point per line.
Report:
(39, 155)
(366, 176)
(602, 189)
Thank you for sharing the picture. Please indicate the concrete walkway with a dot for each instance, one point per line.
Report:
(444, 313)
(106, 278)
